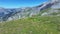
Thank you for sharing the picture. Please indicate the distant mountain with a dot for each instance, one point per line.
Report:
(18, 13)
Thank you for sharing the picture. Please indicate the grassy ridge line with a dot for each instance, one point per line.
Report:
(33, 25)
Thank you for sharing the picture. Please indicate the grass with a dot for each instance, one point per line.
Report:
(33, 25)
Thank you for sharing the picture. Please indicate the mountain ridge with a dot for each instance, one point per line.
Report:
(18, 13)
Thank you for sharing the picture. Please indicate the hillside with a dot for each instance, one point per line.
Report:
(41, 19)
(32, 25)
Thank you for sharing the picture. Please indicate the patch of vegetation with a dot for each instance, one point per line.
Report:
(55, 13)
(33, 25)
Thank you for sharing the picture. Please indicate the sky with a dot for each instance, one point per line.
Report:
(20, 3)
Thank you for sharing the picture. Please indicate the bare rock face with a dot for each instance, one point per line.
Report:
(55, 8)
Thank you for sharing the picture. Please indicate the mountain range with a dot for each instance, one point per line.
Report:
(18, 13)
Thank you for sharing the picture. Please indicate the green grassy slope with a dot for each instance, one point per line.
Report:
(33, 25)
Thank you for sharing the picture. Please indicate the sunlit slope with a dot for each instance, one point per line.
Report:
(33, 25)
